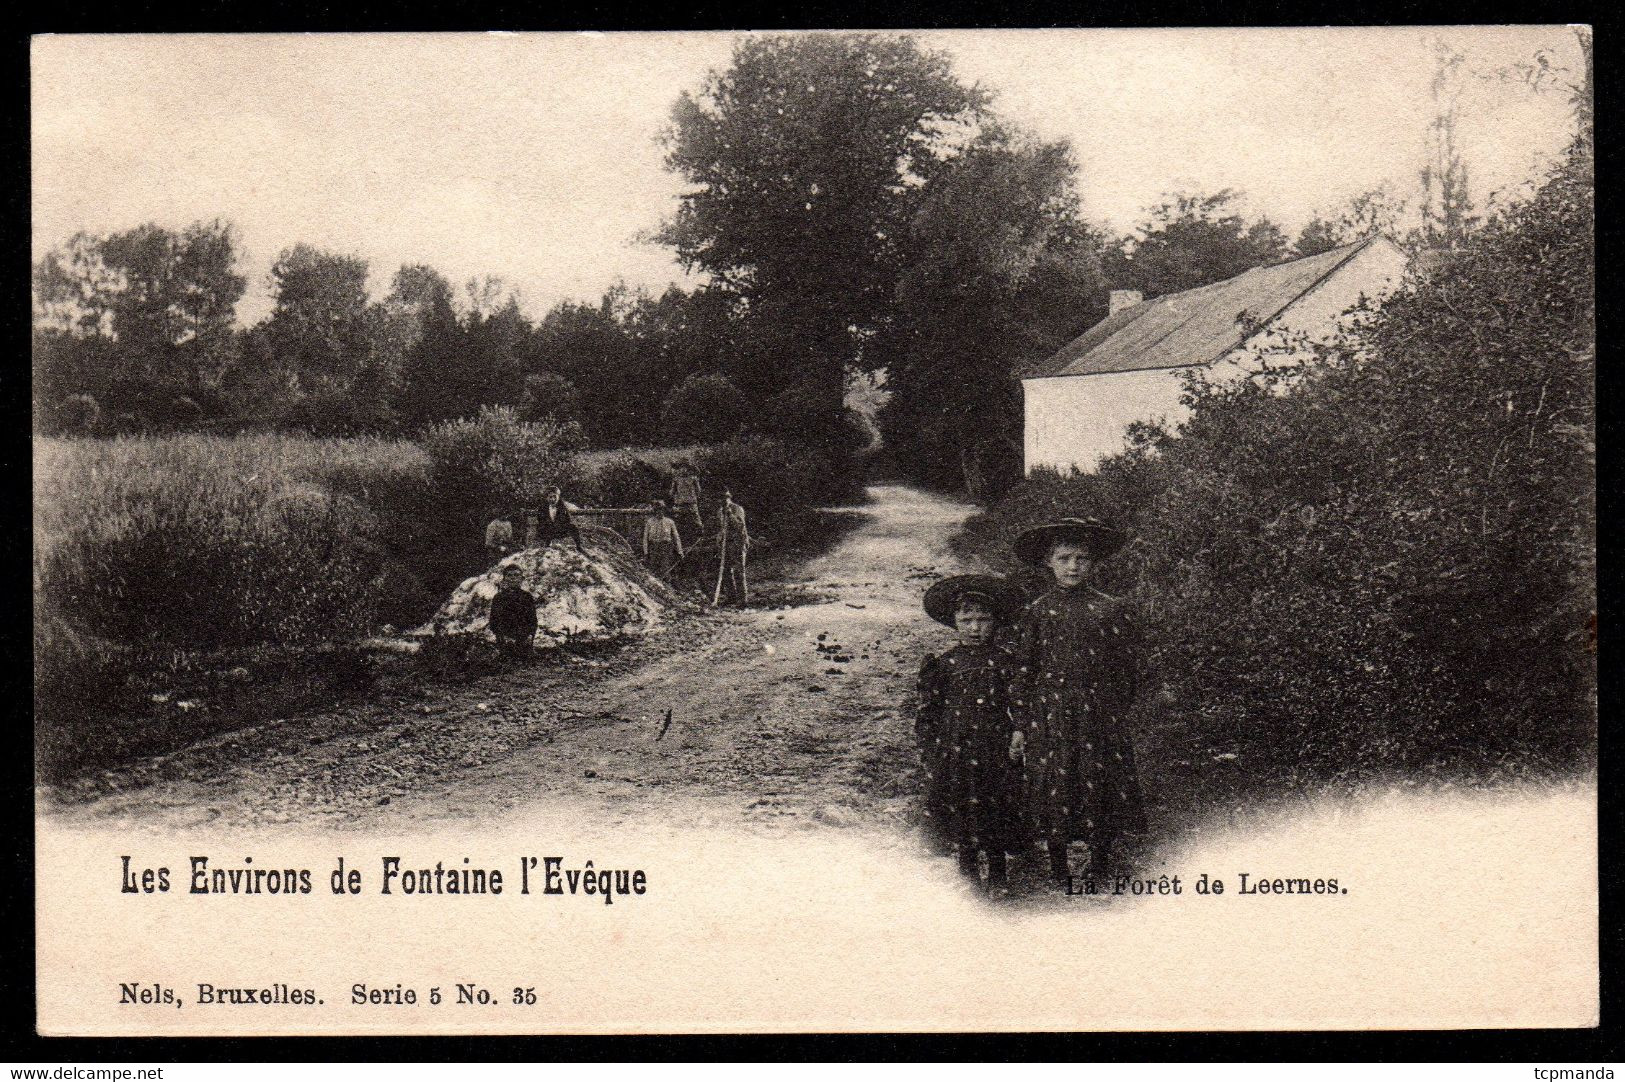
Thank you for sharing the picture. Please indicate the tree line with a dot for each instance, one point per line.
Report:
(135, 331)
(853, 206)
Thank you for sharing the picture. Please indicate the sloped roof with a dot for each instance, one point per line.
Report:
(1193, 328)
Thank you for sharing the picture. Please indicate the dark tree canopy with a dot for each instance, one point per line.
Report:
(1190, 240)
(137, 322)
(806, 157)
(148, 287)
(1374, 211)
(702, 409)
(319, 323)
(1001, 271)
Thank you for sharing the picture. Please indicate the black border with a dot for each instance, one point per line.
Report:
(20, 1044)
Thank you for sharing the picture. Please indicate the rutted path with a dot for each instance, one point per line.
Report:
(778, 717)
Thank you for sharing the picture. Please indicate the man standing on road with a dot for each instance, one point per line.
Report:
(733, 546)
(685, 496)
(662, 544)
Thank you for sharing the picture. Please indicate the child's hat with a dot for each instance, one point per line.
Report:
(1033, 544)
(943, 598)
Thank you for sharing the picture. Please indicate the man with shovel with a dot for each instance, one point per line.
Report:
(733, 545)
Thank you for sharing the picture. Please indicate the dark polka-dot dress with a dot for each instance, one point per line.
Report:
(964, 728)
(1078, 659)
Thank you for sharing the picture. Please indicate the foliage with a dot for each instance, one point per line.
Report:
(149, 287)
(776, 482)
(201, 542)
(482, 364)
(227, 563)
(1446, 205)
(702, 409)
(591, 345)
(1374, 211)
(497, 463)
(622, 478)
(548, 394)
(1000, 263)
(798, 416)
(78, 414)
(136, 320)
(1388, 564)
(1189, 240)
(805, 159)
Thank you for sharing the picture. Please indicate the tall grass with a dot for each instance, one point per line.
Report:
(200, 542)
(169, 561)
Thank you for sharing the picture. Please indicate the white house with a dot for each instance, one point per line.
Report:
(1126, 368)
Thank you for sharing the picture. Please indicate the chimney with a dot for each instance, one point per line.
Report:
(1123, 298)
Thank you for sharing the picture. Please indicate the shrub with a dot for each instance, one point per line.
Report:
(497, 461)
(801, 414)
(619, 479)
(548, 394)
(702, 409)
(208, 543)
(78, 414)
(774, 480)
(158, 559)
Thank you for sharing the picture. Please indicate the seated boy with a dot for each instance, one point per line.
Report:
(553, 521)
(969, 743)
(513, 614)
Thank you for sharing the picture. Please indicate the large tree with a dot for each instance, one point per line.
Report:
(1001, 271)
(328, 345)
(806, 158)
(420, 307)
(318, 325)
(140, 320)
(1190, 240)
(591, 347)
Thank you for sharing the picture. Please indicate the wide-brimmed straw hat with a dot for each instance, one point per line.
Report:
(1033, 544)
(943, 598)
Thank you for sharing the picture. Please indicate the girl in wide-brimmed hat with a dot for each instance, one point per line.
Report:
(1078, 673)
(969, 742)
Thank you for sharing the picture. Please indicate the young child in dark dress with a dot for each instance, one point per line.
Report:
(1079, 666)
(970, 745)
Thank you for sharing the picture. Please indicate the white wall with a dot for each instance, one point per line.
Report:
(1075, 421)
(1072, 422)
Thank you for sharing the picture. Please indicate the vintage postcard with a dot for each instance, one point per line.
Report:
(825, 531)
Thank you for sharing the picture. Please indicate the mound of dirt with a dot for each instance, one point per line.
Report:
(602, 593)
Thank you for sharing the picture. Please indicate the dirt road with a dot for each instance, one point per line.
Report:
(784, 717)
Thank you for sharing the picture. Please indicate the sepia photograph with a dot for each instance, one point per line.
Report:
(817, 531)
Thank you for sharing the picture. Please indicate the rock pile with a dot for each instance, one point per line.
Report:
(602, 593)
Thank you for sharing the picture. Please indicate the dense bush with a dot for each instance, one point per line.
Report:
(618, 479)
(801, 415)
(703, 409)
(164, 559)
(498, 463)
(548, 394)
(776, 482)
(197, 541)
(1389, 564)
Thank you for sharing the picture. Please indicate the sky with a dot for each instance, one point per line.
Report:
(535, 157)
